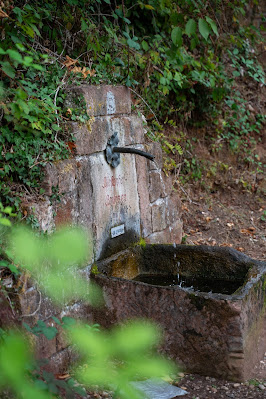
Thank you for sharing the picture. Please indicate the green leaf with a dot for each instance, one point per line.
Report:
(5, 222)
(28, 30)
(28, 60)
(40, 384)
(15, 55)
(204, 28)
(133, 44)
(149, 7)
(145, 45)
(2, 51)
(28, 328)
(20, 47)
(68, 321)
(50, 332)
(84, 26)
(176, 36)
(24, 106)
(56, 320)
(21, 94)
(8, 69)
(213, 25)
(13, 269)
(36, 30)
(191, 27)
(193, 44)
(38, 67)
(4, 263)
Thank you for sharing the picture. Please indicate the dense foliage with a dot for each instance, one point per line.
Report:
(172, 54)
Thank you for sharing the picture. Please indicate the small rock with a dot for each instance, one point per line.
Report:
(236, 385)
(261, 386)
(214, 390)
(225, 388)
(183, 387)
(181, 375)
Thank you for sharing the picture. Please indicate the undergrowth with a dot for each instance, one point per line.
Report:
(171, 54)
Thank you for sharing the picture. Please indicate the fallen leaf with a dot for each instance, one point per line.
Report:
(150, 116)
(3, 14)
(250, 231)
(71, 146)
(68, 112)
(69, 62)
(230, 224)
(62, 376)
(84, 71)
(208, 219)
(185, 208)
(240, 249)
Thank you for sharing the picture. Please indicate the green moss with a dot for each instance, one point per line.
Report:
(94, 269)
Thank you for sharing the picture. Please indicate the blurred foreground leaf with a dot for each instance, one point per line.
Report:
(54, 262)
(113, 360)
(14, 361)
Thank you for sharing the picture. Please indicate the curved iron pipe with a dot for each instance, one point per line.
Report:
(133, 151)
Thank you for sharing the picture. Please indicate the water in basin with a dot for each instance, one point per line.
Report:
(220, 286)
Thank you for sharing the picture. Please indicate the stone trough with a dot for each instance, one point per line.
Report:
(209, 302)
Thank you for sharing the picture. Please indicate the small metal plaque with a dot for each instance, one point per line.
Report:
(117, 230)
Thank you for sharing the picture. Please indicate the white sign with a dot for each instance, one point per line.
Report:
(117, 231)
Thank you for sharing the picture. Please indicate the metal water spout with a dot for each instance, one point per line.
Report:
(112, 152)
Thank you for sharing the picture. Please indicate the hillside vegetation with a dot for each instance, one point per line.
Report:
(192, 67)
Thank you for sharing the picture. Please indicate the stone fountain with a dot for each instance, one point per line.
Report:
(119, 196)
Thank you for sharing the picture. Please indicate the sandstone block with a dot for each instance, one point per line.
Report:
(143, 192)
(60, 177)
(66, 210)
(34, 302)
(176, 232)
(173, 208)
(155, 149)
(158, 211)
(168, 183)
(102, 100)
(172, 234)
(136, 135)
(59, 362)
(159, 237)
(115, 202)
(45, 348)
(84, 194)
(92, 137)
(156, 186)
(7, 318)
(43, 211)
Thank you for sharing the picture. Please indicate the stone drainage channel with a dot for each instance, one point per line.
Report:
(209, 301)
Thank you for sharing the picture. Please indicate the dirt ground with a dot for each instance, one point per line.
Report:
(235, 220)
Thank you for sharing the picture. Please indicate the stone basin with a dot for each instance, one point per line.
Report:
(207, 329)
